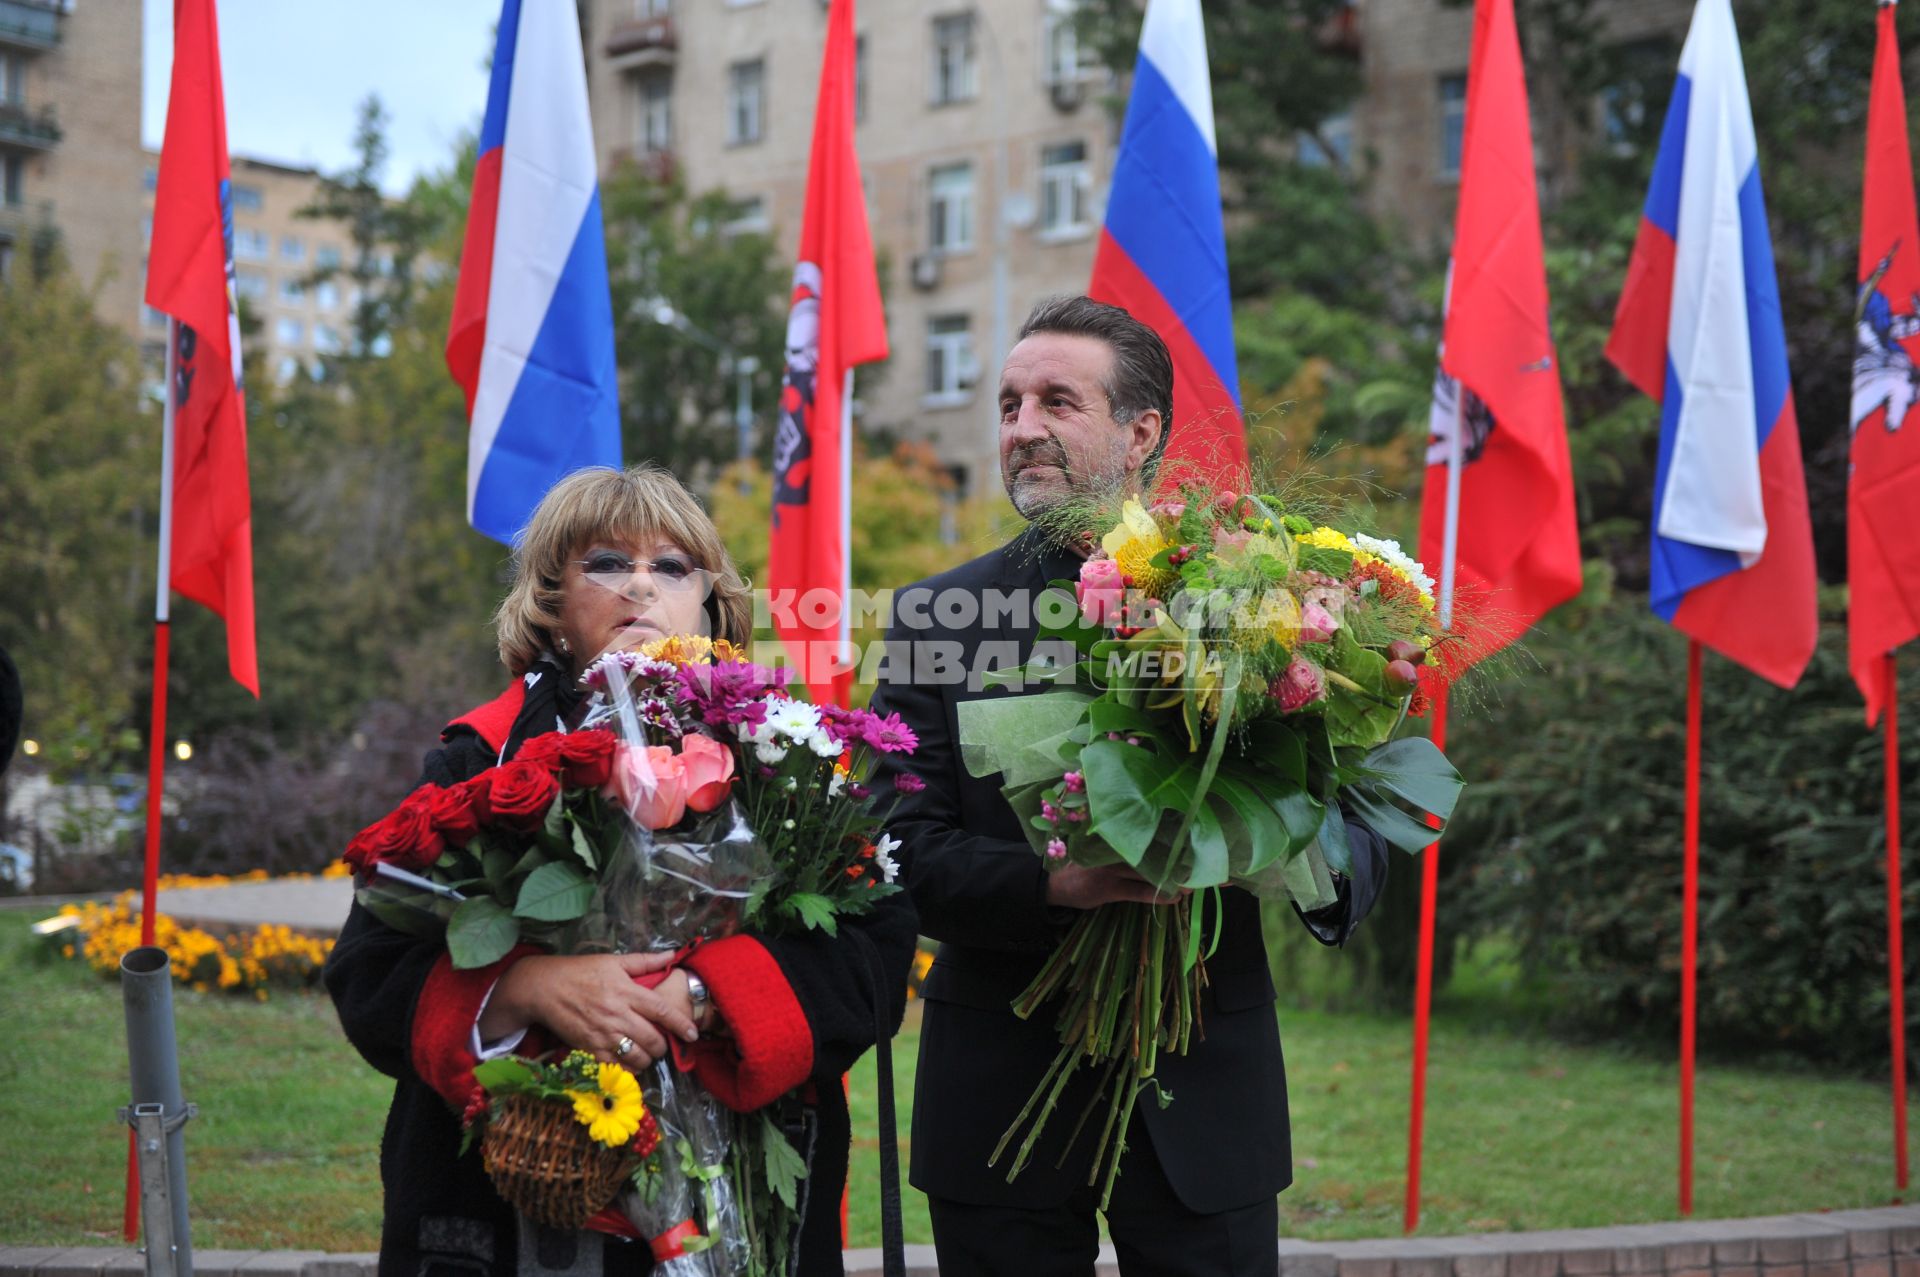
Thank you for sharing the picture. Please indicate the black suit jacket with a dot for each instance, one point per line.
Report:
(980, 889)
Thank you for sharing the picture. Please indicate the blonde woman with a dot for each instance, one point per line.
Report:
(611, 559)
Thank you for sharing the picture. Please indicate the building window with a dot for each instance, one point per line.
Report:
(954, 73)
(1336, 131)
(746, 102)
(286, 370)
(950, 362)
(289, 332)
(293, 291)
(859, 79)
(326, 339)
(13, 78)
(749, 218)
(655, 94)
(1453, 123)
(292, 249)
(247, 199)
(13, 184)
(250, 284)
(1064, 182)
(326, 295)
(327, 257)
(950, 207)
(252, 246)
(1067, 62)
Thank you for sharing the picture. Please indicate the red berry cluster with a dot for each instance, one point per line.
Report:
(647, 1138)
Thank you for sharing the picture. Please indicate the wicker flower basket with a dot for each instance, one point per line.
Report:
(546, 1166)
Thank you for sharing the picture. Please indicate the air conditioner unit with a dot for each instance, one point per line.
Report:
(926, 271)
(1067, 94)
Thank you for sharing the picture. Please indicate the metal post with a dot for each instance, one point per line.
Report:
(744, 368)
(157, 1112)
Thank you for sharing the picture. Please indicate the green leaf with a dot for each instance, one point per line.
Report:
(785, 1167)
(556, 892)
(1119, 779)
(404, 916)
(1266, 838)
(1075, 630)
(1333, 840)
(480, 931)
(1301, 815)
(1308, 881)
(583, 848)
(1022, 738)
(815, 911)
(1335, 563)
(1414, 768)
(505, 1074)
(1209, 843)
(496, 862)
(1369, 716)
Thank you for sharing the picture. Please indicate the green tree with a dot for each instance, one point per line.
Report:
(79, 481)
(689, 294)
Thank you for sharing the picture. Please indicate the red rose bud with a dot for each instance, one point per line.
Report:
(1406, 650)
(406, 838)
(1403, 673)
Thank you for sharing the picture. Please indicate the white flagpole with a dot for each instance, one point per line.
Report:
(846, 516)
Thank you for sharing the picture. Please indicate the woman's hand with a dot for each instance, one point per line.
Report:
(591, 1003)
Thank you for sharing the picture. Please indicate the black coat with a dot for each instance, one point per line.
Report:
(441, 1210)
(980, 888)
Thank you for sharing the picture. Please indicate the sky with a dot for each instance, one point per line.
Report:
(295, 74)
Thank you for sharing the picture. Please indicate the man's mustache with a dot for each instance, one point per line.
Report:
(1039, 455)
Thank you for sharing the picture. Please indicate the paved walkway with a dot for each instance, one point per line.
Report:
(306, 904)
(1860, 1243)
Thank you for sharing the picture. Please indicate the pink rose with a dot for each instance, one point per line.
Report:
(1100, 590)
(1167, 512)
(708, 768)
(1302, 684)
(1316, 623)
(1225, 542)
(649, 784)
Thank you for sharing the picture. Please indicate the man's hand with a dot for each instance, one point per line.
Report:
(1080, 887)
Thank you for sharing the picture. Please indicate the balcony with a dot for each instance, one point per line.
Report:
(28, 129)
(656, 166)
(29, 24)
(19, 221)
(642, 42)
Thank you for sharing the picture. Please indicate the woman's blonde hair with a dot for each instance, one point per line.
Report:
(637, 506)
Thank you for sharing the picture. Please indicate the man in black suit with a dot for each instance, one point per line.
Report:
(1084, 400)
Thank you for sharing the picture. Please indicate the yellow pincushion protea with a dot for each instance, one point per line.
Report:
(612, 1112)
(1132, 545)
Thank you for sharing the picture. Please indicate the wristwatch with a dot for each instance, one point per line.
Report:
(702, 1004)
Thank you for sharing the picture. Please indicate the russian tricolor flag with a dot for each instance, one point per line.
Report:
(532, 336)
(1698, 328)
(1163, 252)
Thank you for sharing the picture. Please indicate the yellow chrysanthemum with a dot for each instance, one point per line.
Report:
(611, 1113)
(1328, 539)
(1133, 543)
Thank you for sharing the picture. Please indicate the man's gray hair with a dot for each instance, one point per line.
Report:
(1142, 376)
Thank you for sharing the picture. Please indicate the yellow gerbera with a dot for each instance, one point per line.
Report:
(612, 1112)
(1133, 543)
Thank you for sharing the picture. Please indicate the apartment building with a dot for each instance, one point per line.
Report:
(984, 149)
(987, 151)
(275, 255)
(70, 141)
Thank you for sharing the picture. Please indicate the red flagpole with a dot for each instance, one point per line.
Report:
(1896, 961)
(1423, 988)
(1690, 927)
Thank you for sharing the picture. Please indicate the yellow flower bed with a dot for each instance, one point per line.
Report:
(249, 960)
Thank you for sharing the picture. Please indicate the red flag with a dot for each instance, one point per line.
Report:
(1883, 489)
(835, 323)
(1517, 549)
(190, 277)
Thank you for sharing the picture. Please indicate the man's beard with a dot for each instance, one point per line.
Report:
(1029, 500)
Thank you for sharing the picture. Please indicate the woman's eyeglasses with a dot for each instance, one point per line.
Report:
(671, 573)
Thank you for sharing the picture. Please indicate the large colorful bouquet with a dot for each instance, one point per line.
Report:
(1233, 679)
(695, 799)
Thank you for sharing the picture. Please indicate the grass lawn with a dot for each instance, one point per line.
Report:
(1523, 1131)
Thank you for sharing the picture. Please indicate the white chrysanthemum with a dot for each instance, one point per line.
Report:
(824, 746)
(1399, 560)
(883, 857)
(769, 753)
(837, 784)
(796, 720)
